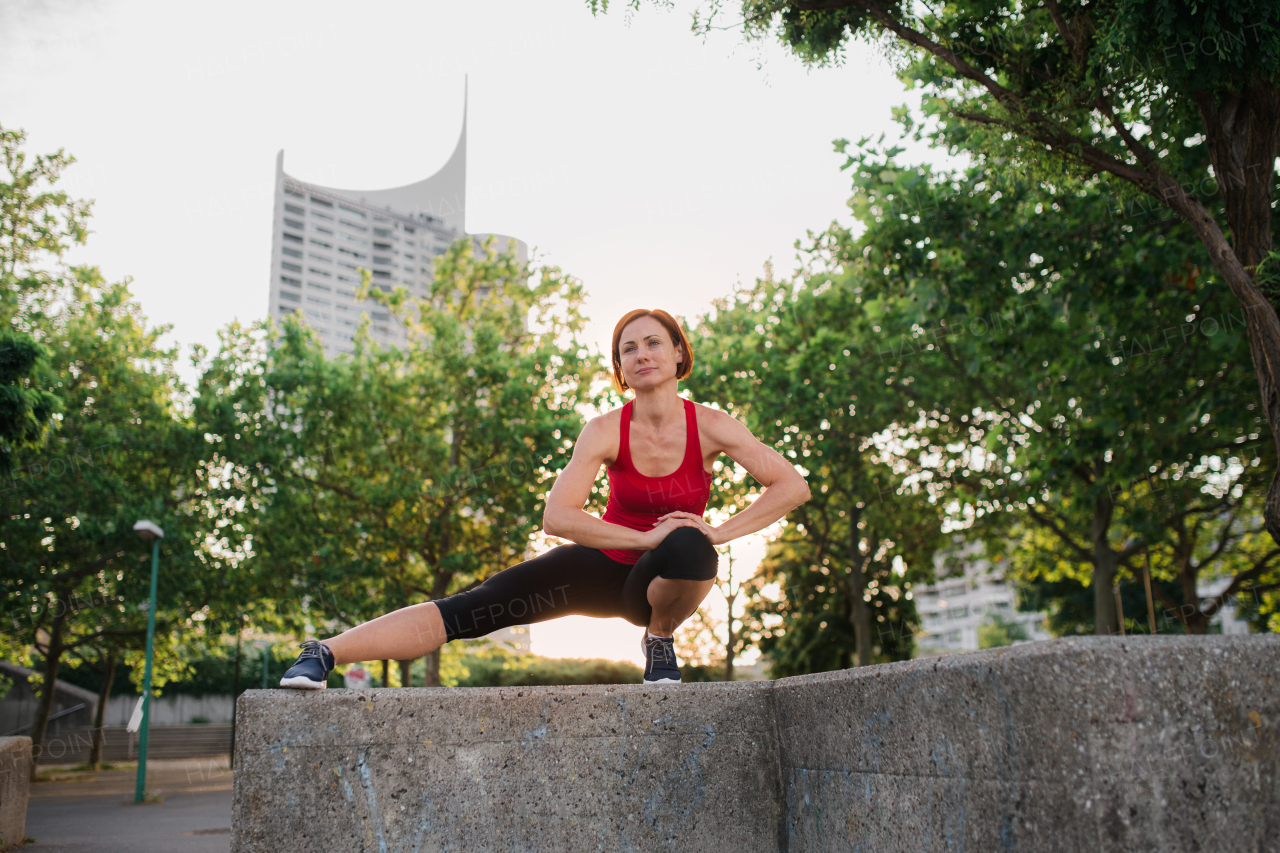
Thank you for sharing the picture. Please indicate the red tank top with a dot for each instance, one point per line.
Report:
(636, 501)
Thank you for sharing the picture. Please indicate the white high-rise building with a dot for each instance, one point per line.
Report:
(322, 237)
(970, 590)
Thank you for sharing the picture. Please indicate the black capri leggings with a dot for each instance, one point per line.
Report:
(576, 580)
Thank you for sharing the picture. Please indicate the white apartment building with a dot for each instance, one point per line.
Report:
(970, 590)
(322, 237)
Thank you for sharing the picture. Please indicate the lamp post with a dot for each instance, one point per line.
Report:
(148, 530)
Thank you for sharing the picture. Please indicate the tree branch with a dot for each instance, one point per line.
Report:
(1075, 45)
(1144, 154)
(1259, 566)
(1084, 553)
(346, 493)
(1223, 541)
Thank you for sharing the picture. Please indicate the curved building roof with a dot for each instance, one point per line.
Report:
(442, 196)
(324, 237)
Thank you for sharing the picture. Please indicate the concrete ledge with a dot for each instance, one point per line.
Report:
(1131, 744)
(15, 773)
(1138, 744)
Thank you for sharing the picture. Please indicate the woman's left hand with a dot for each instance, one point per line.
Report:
(710, 532)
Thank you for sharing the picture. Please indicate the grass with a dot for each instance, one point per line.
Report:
(79, 772)
(61, 776)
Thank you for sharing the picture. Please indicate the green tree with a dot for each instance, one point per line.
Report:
(1064, 363)
(38, 223)
(1172, 101)
(25, 409)
(997, 630)
(76, 577)
(395, 475)
(845, 560)
(1213, 532)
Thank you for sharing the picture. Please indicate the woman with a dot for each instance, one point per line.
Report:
(650, 559)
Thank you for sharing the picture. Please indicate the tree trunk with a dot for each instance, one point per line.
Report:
(860, 613)
(386, 673)
(862, 626)
(439, 589)
(53, 658)
(1242, 131)
(732, 643)
(406, 679)
(235, 694)
(1105, 564)
(1261, 323)
(431, 673)
(1105, 619)
(100, 714)
(1195, 620)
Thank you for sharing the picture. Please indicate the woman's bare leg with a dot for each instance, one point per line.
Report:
(403, 634)
(673, 601)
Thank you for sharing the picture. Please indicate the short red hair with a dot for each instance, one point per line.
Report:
(671, 324)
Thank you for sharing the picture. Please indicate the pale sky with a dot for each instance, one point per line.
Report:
(657, 168)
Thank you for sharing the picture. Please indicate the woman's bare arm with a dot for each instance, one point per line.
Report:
(564, 516)
(784, 488)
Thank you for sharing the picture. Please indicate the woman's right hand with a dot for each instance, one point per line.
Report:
(660, 531)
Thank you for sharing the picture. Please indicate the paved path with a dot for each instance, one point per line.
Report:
(95, 812)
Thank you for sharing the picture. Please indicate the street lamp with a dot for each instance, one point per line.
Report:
(147, 530)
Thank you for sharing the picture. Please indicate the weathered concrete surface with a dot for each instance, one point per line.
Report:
(1102, 744)
(1110, 744)
(613, 768)
(15, 773)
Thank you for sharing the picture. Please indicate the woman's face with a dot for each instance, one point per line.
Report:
(647, 354)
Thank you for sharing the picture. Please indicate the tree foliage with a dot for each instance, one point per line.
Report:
(1011, 358)
(97, 434)
(997, 630)
(777, 355)
(1177, 101)
(1066, 365)
(38, 223)
(481, 666)
(25, 409)
(397, 475)
(77, 578)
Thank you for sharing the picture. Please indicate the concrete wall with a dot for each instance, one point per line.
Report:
(15, 771)
(1116, 744)
(1132, 744)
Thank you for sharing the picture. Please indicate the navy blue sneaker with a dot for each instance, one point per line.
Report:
(660, 660)
(311, 670)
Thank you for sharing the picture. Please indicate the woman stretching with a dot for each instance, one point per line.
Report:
(651, 559)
